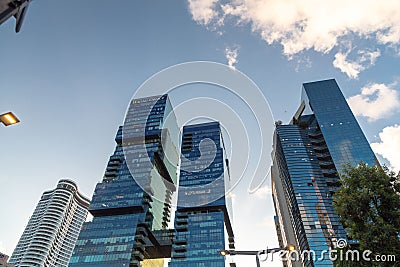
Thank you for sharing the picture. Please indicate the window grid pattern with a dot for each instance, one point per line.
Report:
(345, 140)
(309, 155)
(123, 211)
(199, 230)
(305, 191)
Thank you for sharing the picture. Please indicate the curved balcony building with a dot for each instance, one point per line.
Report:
(52, 231)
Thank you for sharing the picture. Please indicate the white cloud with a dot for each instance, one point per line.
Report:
(203, 11)
(231, 55)
(310, 24)
(352, 69)
(364, 60)
(389, 146)
(303, 62)
(390, 36)
(263, 192)
(376, 101)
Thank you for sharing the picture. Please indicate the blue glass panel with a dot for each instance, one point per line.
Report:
(341, 131)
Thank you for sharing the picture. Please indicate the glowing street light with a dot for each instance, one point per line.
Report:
(8, 118)
(256, 253)
(290, 247)
(224, 252)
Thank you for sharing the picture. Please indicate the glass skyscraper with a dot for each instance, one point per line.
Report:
(51, 233)
(308, 157)
(203, 210)
(131, 206)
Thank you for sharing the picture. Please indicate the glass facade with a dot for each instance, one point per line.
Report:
(308, 200)
(202, 205)
(342, 133)
(309, 154)
(134, 196)
(106, 241)
(132, 204)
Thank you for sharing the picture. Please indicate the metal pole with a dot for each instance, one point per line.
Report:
(257, 260)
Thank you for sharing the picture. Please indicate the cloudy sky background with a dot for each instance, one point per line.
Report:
(356, 34)
(71, 71)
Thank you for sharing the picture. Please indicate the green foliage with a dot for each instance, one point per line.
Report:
(368, 202)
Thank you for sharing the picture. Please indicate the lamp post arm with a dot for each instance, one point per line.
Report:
(239, 252)
(273, 250)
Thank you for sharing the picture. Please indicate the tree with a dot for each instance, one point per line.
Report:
(368, 203)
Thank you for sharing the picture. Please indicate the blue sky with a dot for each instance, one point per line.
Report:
(71, 71)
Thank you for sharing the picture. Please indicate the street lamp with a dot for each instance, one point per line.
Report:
(8, 118)
(256, 253)
(13, 8)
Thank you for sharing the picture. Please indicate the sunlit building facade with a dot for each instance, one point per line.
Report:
(203, 214)
(51, 233)
(308, 158)
(131, 206)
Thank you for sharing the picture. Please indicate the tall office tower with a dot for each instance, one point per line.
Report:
(51, 233)
(308, 158)
(131, 206)
(202, 205)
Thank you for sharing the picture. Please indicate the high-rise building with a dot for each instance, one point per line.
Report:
(308, 158)
(51, 233)
(132, 204)
(203, 210)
